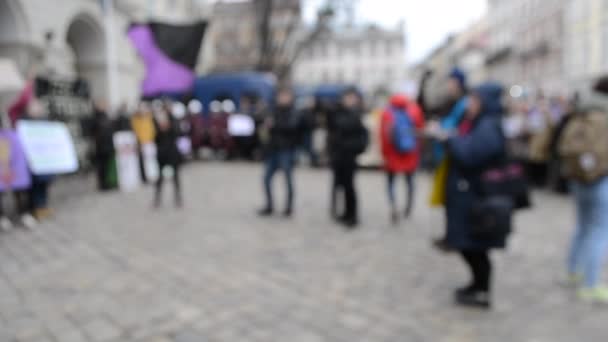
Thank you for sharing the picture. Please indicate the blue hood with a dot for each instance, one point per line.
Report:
(491, 98)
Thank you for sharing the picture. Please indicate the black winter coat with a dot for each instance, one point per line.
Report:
(167, 152)
(286, 130)
(347, 137)
(103, 134)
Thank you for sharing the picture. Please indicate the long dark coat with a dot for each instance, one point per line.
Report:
(469, 156)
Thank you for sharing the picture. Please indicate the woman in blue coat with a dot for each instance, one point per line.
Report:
(477, 144)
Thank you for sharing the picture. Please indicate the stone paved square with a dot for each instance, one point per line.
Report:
(108, 268)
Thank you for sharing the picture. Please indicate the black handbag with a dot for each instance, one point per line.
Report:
(507, 179)
(492, 217)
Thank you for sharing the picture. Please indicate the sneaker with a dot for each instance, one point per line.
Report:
(28, 221)
(597, 295)
(6, 224)
(42, 213)
(571, 281)
(473, 298)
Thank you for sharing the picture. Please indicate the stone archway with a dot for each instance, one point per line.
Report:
(86, 38)
(14, 34)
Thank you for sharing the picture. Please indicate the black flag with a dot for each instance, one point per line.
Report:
(181, 43)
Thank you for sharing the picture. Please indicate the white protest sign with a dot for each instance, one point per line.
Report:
(127, 162)
(48, 146)
(241, 125)
(148, 154)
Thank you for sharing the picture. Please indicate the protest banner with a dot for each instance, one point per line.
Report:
(14, 173)
(48, 147)
(127, 162)
(150, 162)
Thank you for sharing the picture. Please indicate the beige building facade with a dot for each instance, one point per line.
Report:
(586, 41)
(67, 39)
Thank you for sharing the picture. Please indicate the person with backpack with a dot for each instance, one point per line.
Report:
(347, 139)
(284, 129)
(476, 222)
(400, 145)
(583, 148)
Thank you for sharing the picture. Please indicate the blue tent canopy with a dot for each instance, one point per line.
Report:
(234, 86)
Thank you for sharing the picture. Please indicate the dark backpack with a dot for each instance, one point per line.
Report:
(403, 132)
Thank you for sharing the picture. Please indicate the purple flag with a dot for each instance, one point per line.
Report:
(162, 74)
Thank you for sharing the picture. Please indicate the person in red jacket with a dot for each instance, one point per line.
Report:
(401, 153)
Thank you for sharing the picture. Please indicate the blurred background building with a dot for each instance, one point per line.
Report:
(545, 46)
(526, 43)
(254, 34)
(586, 40)
(370, 56)
(67, 39)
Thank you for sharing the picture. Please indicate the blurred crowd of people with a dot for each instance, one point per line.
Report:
(484, 148)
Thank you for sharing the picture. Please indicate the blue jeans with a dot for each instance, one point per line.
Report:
(590, 241)
(392, 197)
(279, 160)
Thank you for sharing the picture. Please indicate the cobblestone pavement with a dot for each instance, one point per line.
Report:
(108, 268)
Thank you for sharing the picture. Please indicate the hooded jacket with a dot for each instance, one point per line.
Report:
(394, 161)
(471, 154)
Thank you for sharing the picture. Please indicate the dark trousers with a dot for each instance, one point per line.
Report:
(275, 161)
(21, 203)
(410, 190)
(39, 193)
(480, 266)
(177, 188)
(103, 170)
(309, 148)
(344, 181)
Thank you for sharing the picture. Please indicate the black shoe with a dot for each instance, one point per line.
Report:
(442, 245)
(287, 213)
(394, 218)
(473, 298)
(408, 213)
(349, 222)
(463, 291)
(265, 212)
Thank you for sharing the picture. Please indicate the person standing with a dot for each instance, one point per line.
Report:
(103, 134)
(347, 139)
(401, 148)
(168, 155)
(583, 148)
(476, 145)
(450, 114)
(284, 132)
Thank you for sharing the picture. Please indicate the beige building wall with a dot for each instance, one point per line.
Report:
(373, 58)
(78, 39)
(586, 43)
